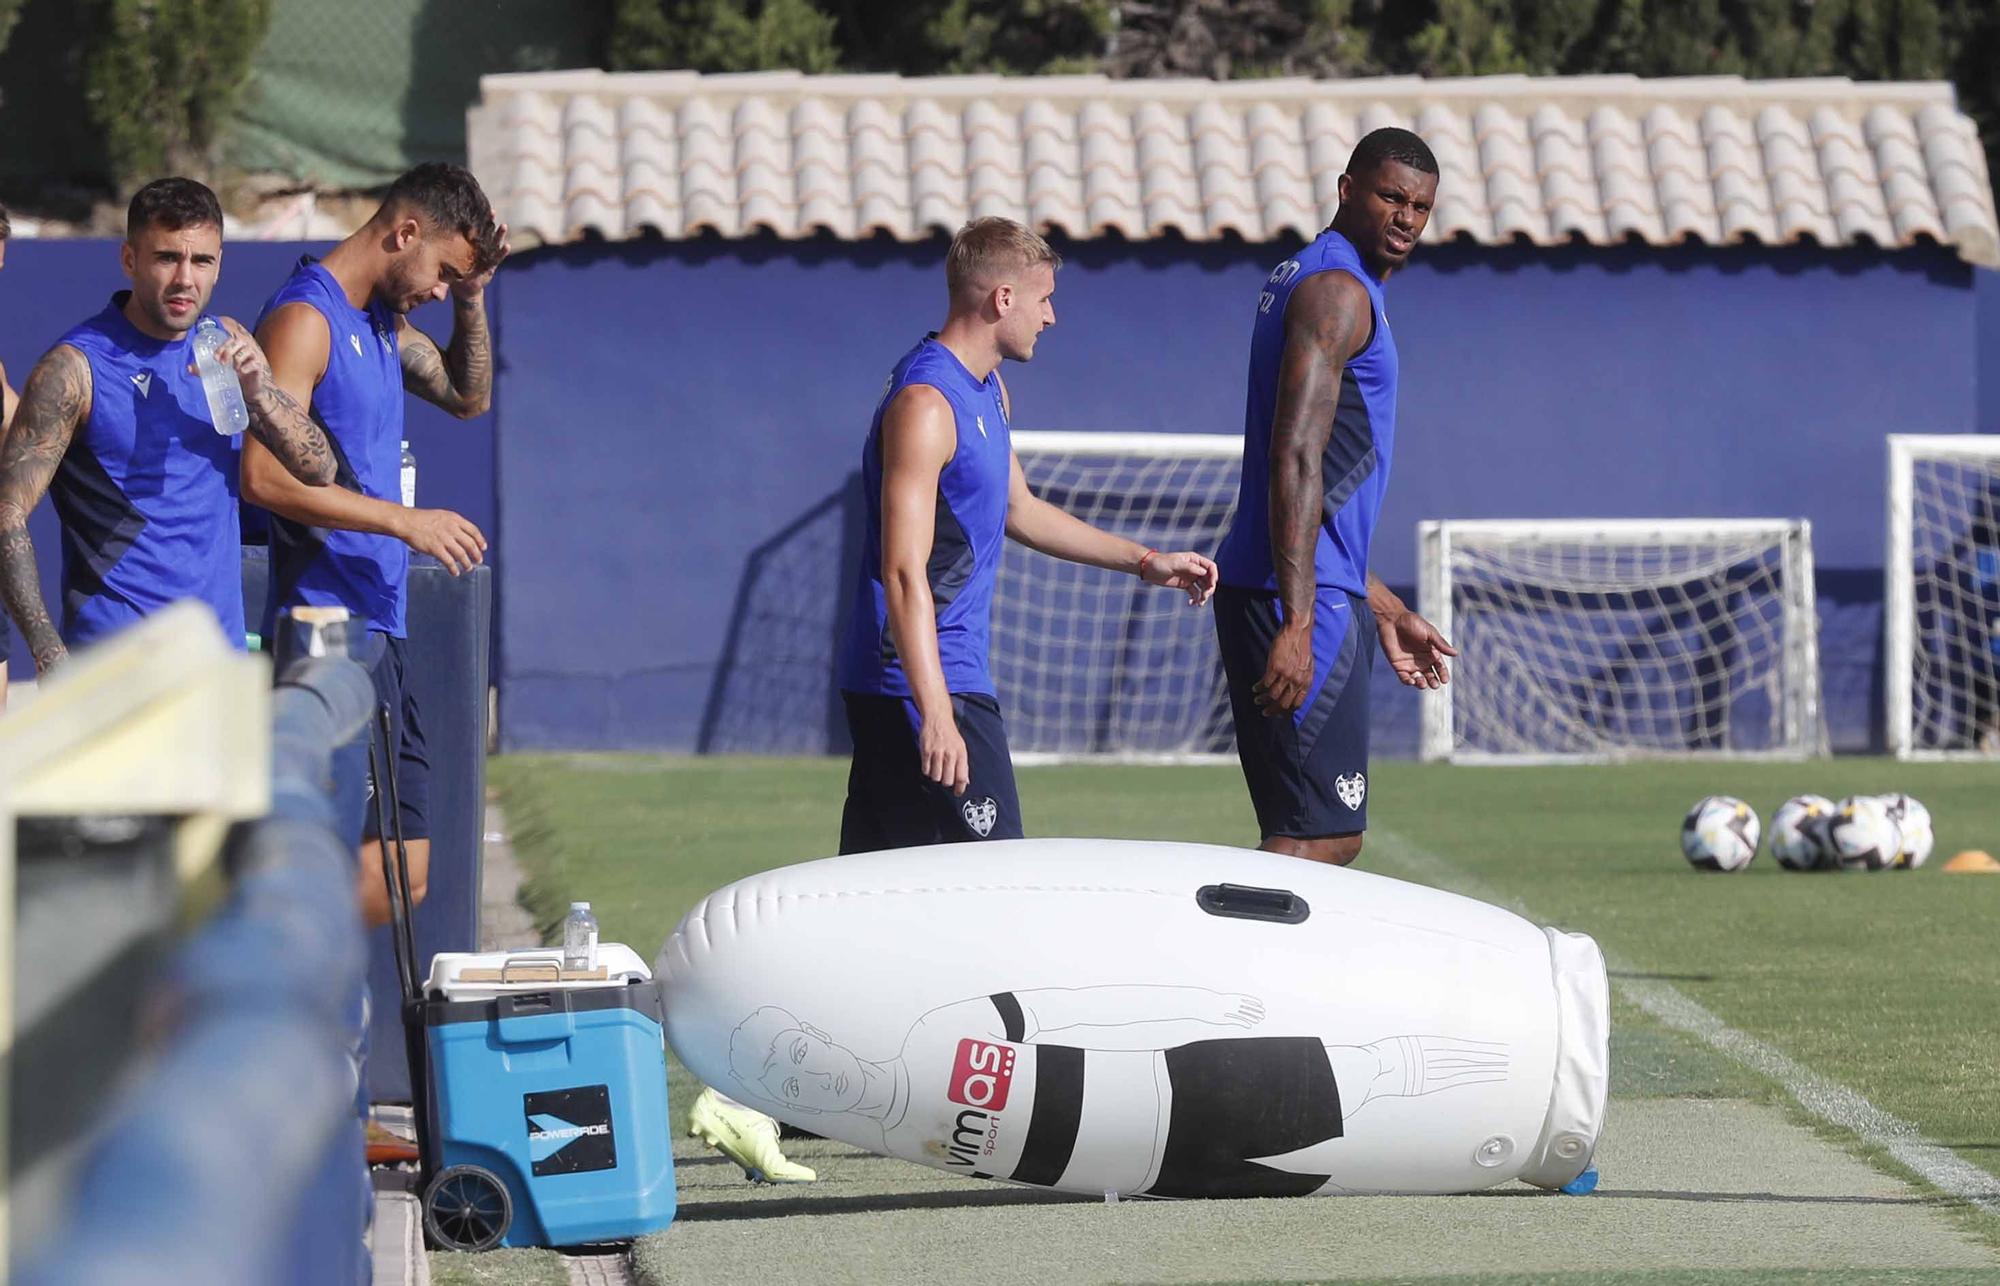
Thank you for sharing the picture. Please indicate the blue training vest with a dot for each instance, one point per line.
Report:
(966, 544)
(147, 490)
(1354, 469)
(359, 403)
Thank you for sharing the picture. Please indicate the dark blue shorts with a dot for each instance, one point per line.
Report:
(1308, 773)
(891, 804)
(413, 760)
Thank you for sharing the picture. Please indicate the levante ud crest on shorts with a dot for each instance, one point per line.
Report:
(1352, 789)
(980, 814)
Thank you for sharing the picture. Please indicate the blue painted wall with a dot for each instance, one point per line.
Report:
(49, 286)
(1987, 291)
(676, 463)
(679, 425)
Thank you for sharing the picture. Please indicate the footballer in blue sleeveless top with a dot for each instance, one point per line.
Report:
(341, 343)
(115, 427)
(943, 492)
(1319, 426)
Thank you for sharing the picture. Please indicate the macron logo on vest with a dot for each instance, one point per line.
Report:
(143, 381)
(356, 341)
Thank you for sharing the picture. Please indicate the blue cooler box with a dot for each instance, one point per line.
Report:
(548, 1108)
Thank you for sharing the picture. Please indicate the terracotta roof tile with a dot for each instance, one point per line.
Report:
(1600, 158)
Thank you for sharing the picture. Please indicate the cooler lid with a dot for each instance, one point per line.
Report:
(482, 975)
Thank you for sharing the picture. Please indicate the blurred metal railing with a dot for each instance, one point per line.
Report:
(234, 1154)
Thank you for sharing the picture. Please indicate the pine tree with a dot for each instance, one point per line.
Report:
(1236, 38)
(721, 35)
(162, 77)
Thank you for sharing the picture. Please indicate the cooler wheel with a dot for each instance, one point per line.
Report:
(466, 1207)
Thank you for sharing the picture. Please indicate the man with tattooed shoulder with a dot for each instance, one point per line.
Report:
(114, 426)
(340, 339)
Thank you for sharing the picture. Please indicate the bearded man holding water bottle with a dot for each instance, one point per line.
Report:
(136, 451)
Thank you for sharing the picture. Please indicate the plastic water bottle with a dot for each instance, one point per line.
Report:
(409, 477)
(579, 937)
(225, 394)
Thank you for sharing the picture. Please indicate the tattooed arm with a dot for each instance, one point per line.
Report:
(296, 339)
(277, 419)
(1327, 320)
(55, 402)
(9, 399)
(459, 379)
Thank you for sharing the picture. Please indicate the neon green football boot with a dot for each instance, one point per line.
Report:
(745, 1136)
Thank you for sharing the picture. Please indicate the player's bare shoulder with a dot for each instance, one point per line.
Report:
(914, 402)
(918, 424)
(296, 339)
(1332, 311)
(57, 397)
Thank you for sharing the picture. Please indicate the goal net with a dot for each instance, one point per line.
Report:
(1584, 640)
(1092, 663)
(1941, 626)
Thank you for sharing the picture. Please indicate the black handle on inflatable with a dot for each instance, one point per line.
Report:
(1247, 902)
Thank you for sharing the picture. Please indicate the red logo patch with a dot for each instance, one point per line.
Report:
(981, 1075)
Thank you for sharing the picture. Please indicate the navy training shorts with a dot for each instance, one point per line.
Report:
(1307, 772)
(891, 804)
(412, 751)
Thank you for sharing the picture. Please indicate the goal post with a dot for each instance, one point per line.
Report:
(1093, 664)
(1586, 640)
(1941, 597)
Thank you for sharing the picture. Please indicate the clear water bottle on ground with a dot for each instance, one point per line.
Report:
(579, 937)
(409, 477)
(225, 394)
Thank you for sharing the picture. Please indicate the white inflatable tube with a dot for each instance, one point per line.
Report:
(1103, 1016)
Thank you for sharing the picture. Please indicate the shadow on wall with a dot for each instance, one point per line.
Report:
(773, 691)
(1940, 265)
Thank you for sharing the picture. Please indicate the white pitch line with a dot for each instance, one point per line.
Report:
(1825, 1099)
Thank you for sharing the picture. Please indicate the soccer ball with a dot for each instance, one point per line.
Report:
(1720, 834)
(1798, 832)
(1914, 821)
(1862, 836)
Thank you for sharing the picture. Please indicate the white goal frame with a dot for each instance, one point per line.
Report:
(1899, 608)
(1803, 730)
(1184, 446)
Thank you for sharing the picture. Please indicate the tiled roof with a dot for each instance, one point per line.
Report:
(1600, 158)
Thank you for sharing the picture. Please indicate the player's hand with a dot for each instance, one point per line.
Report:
(445, 536)
(1237, 1010)
(942, 752)
(472, 289)
(1184, 571)
(1415, 650)
(241, 353)
(1288, 675)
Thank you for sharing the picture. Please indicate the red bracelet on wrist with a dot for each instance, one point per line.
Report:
(1145, 558)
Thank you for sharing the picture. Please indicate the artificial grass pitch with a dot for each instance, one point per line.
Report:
(1884, 982)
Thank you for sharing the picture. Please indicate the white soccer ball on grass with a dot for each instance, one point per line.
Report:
(1798, 832)
(1913, 822)
(1862, 836)
(1720, 834)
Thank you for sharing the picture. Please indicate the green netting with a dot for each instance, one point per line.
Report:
(348, 93)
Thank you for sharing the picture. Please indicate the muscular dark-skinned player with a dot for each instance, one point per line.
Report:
(1297, 599)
